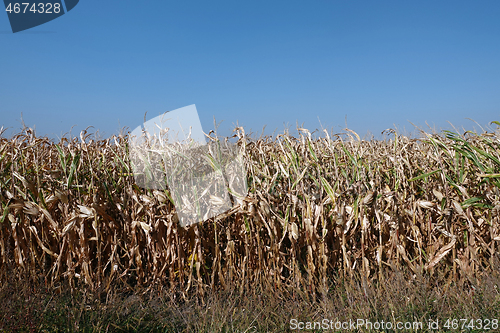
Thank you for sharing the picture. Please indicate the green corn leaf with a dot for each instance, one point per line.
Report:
(424, 175)
(299, 178)
(491, 175)
(62, 158)
(5, 212)
(328, 189)
(74, 165)
(312, 151)
(470, 202)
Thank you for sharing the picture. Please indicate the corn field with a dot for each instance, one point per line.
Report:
(316, 208)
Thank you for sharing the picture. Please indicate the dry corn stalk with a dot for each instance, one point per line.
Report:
(72, 211)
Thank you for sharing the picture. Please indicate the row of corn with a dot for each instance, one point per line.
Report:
(317, 208)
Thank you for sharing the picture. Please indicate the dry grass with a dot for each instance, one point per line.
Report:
(317, 208)
(402, 297)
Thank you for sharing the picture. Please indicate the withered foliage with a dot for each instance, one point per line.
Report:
(316, 208)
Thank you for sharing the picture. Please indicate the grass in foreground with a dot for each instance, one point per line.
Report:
(401, 298)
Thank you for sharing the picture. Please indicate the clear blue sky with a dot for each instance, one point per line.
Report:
(380, 63)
